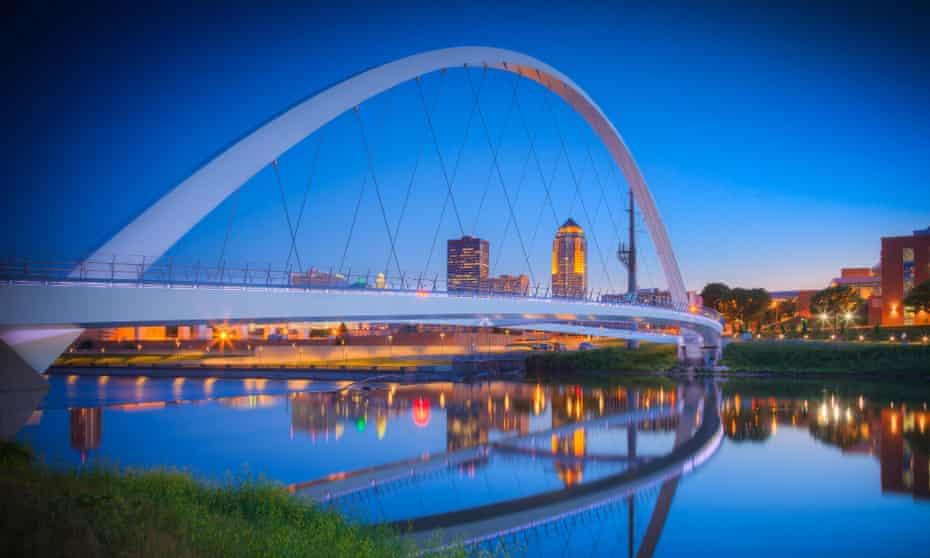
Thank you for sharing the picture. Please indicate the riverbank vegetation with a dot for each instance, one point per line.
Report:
(834, 357)
(196, 360)
(647, 358)
(99, 512)
(915, 391)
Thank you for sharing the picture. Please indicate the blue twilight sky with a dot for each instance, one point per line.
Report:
(780, 140)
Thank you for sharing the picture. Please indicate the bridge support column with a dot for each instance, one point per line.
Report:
(24, 354)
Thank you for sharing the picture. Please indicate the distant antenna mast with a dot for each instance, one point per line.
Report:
(626, 253)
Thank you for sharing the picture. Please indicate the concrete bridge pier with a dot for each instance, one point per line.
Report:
(24, 354)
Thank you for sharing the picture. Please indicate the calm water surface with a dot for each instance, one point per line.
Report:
(810, 469)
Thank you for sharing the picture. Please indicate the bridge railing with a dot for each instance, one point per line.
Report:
(142, 271)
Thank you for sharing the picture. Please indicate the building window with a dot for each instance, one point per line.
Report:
(908, 257)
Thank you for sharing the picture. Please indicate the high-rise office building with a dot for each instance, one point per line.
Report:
(569, 261)
(466, 264)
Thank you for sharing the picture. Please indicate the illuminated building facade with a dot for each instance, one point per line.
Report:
(466, 264)
(510, 284)
(569, 262)
(905, 263)
(865, 281)
(316, 278)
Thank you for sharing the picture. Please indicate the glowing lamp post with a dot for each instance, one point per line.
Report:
(848, 316)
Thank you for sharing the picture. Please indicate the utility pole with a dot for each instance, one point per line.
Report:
(626, 253)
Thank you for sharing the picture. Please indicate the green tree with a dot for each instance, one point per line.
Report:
(747, 305)
(836, 302)
(715, 295)
(919, 297)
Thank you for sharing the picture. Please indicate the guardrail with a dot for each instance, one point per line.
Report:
(142, 271)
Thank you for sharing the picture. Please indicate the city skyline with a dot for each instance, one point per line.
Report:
(780, 147)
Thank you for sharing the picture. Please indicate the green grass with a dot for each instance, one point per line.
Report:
(801, 357)
(648, 358)
(124, 358)
(100, 512)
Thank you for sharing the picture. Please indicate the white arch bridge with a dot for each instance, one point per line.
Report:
(44, 308)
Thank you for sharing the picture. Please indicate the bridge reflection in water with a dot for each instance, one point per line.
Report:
(488, 444)
(547, 466)
(489, 493)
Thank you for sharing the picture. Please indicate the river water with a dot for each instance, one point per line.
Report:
(804, 468)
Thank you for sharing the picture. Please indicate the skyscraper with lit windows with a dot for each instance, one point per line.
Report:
(466, 264)
(569, 261)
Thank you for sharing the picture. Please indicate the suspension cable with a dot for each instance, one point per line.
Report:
(581, 180)
(500, 141)
(416, 162)
(303, 201)
(287, 214)
(603, 200)
(547, 198)
(571, 171)
(229, 224)
(500, 176)
(519, 189)
(358, 205)
(374, 181)
(455, 169)
(442, 162)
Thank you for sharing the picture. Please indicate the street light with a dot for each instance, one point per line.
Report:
(391, 346)
(442, 342)
(848, 317)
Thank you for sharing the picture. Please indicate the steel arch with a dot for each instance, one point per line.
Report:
(161, 225)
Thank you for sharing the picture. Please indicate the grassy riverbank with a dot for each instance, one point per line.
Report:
(159, 513)
(648, 358)
(834, 357)
(219, 361)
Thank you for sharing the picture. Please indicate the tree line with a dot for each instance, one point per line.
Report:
(840, 306)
